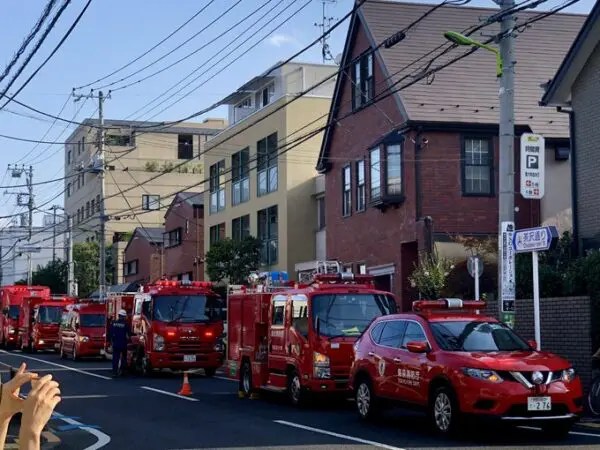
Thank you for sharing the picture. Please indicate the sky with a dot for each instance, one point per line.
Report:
(114, 32)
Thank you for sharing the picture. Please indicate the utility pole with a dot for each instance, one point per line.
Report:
(70, 263)
(506, 182)
(324, 26)
(98, 167)
(16, 172)
(54, 208)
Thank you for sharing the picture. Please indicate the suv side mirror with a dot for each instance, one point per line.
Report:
(418, 347)
(533, 344)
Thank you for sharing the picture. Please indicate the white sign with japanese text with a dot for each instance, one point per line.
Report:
(533, 149)
(507, 260)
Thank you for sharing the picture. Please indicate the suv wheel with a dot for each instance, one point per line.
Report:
(443, 411)
(366, 403)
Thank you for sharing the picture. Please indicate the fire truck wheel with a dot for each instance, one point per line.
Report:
(295, 393)
(366, 402)
(246, 379)
(444, 413)
(210, 371)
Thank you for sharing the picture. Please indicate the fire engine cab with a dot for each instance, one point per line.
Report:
(176, 325)
(298, 338)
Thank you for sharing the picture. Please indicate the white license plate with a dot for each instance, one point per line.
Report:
(539, 404)
(56, 345)
(189, 358)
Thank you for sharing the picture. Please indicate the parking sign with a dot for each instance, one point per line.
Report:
(533, 150)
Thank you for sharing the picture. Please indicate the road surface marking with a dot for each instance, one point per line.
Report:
(103, 438)
(83, 372)
(576, 433)
(225, 378)
(66, 397)
(338, 435)
(191, 399)
(87, 369)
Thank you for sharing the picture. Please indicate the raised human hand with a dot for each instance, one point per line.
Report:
(10, 402)
(39, 405)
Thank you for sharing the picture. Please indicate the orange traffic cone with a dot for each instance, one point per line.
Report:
(186, 389)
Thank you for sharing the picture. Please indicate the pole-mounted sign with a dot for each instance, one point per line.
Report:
(534, 240)
(533, 149)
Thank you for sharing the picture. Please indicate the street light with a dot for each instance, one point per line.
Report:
(461, 39)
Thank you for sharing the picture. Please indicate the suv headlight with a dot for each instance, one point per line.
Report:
(11, 330)
(568, 375)
(321, 368)
(159, 343)
(482, 374)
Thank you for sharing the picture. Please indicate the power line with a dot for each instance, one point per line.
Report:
(37, 46)
(222, 15)
(45, 13)
(150, 49)
(56, 48)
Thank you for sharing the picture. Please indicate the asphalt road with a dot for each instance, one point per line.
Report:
(100, 412)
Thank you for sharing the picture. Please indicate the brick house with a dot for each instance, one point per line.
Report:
(575, 89)
(184, 237)
(407, 171)
(143, 256)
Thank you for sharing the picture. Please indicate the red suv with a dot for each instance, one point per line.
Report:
(451, 361)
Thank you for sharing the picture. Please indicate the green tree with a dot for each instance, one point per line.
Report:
(53, 275)
(86, 256)
(233, 260)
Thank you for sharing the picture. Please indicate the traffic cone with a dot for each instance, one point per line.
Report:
(186, 389)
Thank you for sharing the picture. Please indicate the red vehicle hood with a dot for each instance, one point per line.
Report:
(201, 332)
(522, 361)
(340, 350)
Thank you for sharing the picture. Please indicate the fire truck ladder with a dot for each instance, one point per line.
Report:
(321, 268)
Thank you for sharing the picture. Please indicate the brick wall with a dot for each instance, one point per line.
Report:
(566, 329)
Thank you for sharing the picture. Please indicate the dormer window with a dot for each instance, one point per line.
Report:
(267, 94)
(245, 104)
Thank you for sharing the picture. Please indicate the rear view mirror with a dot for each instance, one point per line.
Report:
(418, 347)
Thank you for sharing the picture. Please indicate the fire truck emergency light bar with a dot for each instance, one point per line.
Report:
(187, 283)
(344, 276)
(447, 304)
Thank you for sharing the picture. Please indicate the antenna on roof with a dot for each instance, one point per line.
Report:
(324, 26)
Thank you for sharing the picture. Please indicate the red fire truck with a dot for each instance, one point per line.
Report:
(39, 321)
(299, 339)
(176, 324)
(10, 299)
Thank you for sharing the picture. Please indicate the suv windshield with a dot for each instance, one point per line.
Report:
(92, 320)
(49, 314)
(477, 336)
(187, 308)
(13, 312)
(349, 314)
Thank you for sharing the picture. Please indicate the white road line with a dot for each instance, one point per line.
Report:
(338, 435)
(225, 378)
(66, 397)
(83, 372)
(87, 369)
(576, 433)
(103, 438)
(190, 399)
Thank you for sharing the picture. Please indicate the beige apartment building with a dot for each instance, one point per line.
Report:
(138, 183)
(262, 166)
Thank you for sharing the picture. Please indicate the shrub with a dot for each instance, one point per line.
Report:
(430, 276)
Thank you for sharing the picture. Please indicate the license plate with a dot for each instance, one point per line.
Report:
(189, 358)
(56, 345)
(539, 404)
(102, 352)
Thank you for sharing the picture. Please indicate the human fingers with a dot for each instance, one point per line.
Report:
(46, 388)
(22, 368)
(19, 380)
(35, 386)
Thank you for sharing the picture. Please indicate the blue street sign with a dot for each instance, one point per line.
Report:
(535, 239)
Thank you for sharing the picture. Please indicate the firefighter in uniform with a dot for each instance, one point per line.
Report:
(119, 337)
